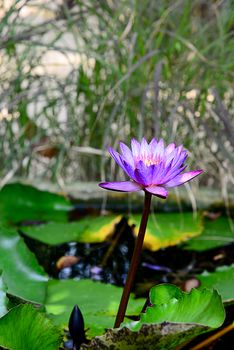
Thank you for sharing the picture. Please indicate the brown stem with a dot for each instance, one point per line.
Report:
(134, 262)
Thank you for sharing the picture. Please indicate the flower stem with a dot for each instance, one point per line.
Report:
(134, 262)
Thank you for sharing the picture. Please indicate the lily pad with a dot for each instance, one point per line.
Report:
(170, 304)
(164, 336)
(98, 303)
(20, 202)
(164, 230)
(222, 280)
(22, 274)
(217, 233)
(174, 318)
(25, 328)
(87, 230)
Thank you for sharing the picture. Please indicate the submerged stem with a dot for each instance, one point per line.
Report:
(134, 262)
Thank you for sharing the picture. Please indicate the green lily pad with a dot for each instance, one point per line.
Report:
(216, 233)
(222, 280)
(3, 297)
(22, 274)
(164, 230)
(98, 303)
(170, 304)
(20, 202)
(25, 328)
(174, 318)
(87, 230)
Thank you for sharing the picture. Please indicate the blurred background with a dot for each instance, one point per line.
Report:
(79, 75)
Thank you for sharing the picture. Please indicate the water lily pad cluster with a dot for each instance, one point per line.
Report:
(28, 296)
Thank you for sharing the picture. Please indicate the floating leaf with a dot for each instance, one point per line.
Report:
(164, 336)
(97, 301)
(3, 297)
(168, 229)
(22, 274)
(196, 311)
(20, 202)
(87, 230)
(170, 304)
(25, 328)
(217, 233)
(222, 280)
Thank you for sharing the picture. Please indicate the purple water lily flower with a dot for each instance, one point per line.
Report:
(151, 167)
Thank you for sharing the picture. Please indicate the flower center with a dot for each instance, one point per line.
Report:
(150, 161)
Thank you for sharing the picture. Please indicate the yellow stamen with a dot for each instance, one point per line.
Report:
(149, 162)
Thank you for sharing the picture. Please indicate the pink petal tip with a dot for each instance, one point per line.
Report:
(157, 191)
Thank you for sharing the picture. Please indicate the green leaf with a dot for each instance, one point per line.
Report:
(216, 233)
(98, 302)
(20, 202)
(22, 274)
(3, 297)
(87, 230)
(168, 229)
(174, 318)
(170, 304)
(24, 328)
(222, 280)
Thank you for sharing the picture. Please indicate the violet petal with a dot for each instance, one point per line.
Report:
(159, 150)
(169, 148)
(136, 148)
(170, 157)
(119, 160)
(129, 170)
(127, 154)
(144, 149)
(116, 156)
(122, 186)
(143, 174)
(172, 174)
(178, 156)
(159, 169)
(157, 191)
(153, 145)
(182, 178)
